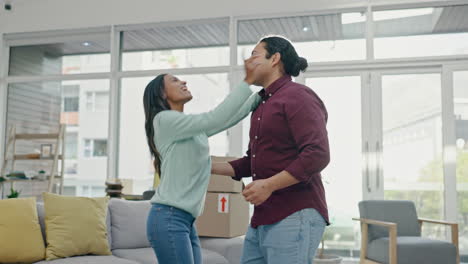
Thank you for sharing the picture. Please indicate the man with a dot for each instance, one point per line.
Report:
(288, 149)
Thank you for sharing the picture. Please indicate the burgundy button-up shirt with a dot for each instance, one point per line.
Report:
(287, 132)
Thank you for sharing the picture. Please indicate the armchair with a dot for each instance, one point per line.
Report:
(391, 234)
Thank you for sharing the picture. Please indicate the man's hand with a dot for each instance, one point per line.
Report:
(257, 192)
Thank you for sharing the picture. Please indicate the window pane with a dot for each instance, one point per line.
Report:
(90, 101)
(412, 144)
(70, 104)
(38, 108)
(460, 81)
(421, 32)
(199, 44)
(332, 37)
(88, 147)
(100, 148)
(71, 145)
(71, 98)
(342, 98)
(69, 190)
(67, 57)
(101, 101)
(135, 164)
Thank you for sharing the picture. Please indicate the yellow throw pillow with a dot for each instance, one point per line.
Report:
(75, 226)
(20, 232)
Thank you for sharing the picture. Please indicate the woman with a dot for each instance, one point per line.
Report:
(179, 144)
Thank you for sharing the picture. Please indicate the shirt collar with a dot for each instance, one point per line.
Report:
(268, 92)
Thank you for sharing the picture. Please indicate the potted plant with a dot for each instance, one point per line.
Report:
(14, 193)
(322, 258)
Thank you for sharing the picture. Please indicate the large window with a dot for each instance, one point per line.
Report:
(331, 37)
(421, 32)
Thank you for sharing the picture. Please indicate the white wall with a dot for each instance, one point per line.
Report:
(38, 15)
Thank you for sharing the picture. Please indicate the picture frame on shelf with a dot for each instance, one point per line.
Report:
(46, 151)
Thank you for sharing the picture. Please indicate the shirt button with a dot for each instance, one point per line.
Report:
(259, 119)
(256, 137)
(263, 102)
(269, 95)
(254, 175)
(253, 155)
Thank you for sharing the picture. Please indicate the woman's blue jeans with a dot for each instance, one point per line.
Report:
(173, 236)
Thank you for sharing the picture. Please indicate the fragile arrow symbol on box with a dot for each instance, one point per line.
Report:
(223, 203)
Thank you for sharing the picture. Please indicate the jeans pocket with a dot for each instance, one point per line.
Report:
(285, 233)
(157, 221)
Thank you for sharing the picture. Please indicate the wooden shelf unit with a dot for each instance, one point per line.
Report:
(58, 139)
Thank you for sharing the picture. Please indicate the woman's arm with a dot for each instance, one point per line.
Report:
(249, 106)
(222, 168)
(174, 125)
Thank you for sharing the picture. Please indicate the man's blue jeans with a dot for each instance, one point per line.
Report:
(173, 236)
(292, 240)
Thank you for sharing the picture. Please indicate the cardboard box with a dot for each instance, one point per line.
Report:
(222, 183)
(225, 215)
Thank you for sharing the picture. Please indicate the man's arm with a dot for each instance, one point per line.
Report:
(280, 181)
(307, 123)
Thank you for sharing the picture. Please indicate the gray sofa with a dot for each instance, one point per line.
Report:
(126, 226)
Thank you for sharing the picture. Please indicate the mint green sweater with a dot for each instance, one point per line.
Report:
(182, 142)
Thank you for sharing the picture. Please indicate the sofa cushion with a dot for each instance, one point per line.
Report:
(20, 232)
(147, 256)
(414, 250)
(75, 226)
(90, 260)
(230, 248)
(41, 214)
(128, 223)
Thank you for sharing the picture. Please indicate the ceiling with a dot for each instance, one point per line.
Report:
(319, 28)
